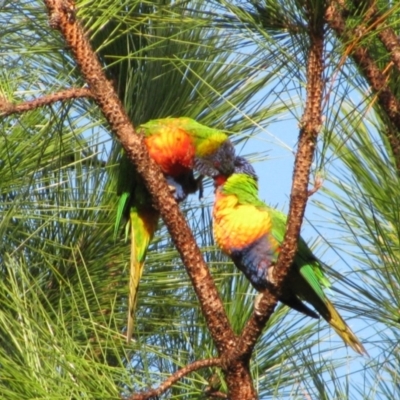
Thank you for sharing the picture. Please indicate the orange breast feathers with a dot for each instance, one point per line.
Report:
(237, 226)
(172, 149)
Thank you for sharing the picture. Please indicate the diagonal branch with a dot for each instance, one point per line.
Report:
(310, 127)
(386, 35)
(212, 362)
(7, 108)
(375, 21)
(62, 17)
(375, 77)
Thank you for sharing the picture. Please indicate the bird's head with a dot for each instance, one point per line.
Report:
(219, 162)
(241, 166)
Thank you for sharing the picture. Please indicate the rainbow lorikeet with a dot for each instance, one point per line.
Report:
(251, 233)
(177, 145)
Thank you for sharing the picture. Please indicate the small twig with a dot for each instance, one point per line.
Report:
(318, 183)
(7, 108)
(212, 362)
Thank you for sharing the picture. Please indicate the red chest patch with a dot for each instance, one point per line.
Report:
(172, 149)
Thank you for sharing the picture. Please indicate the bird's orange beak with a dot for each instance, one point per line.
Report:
(219, 180)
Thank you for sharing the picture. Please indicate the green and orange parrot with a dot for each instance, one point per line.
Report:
(251, 234)
(177, 145)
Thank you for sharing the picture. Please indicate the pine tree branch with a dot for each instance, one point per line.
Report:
(7, 108)
(212, 362)
(310, 127)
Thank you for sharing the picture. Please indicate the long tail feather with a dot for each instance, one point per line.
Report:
(135, 273)
(342, 329)
(143, 225)
(308, 290)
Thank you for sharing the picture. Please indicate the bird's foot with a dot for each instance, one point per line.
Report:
(257, 304)
(172, 189)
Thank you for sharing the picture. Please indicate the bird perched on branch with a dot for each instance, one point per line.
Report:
(251, 234)
(177, 145)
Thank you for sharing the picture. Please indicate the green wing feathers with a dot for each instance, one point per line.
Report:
(122, 204)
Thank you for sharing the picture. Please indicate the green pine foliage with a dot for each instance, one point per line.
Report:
(236, 66)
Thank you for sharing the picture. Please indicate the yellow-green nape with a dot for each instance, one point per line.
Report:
(207, 145)
(238, 181)
(245, 188)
